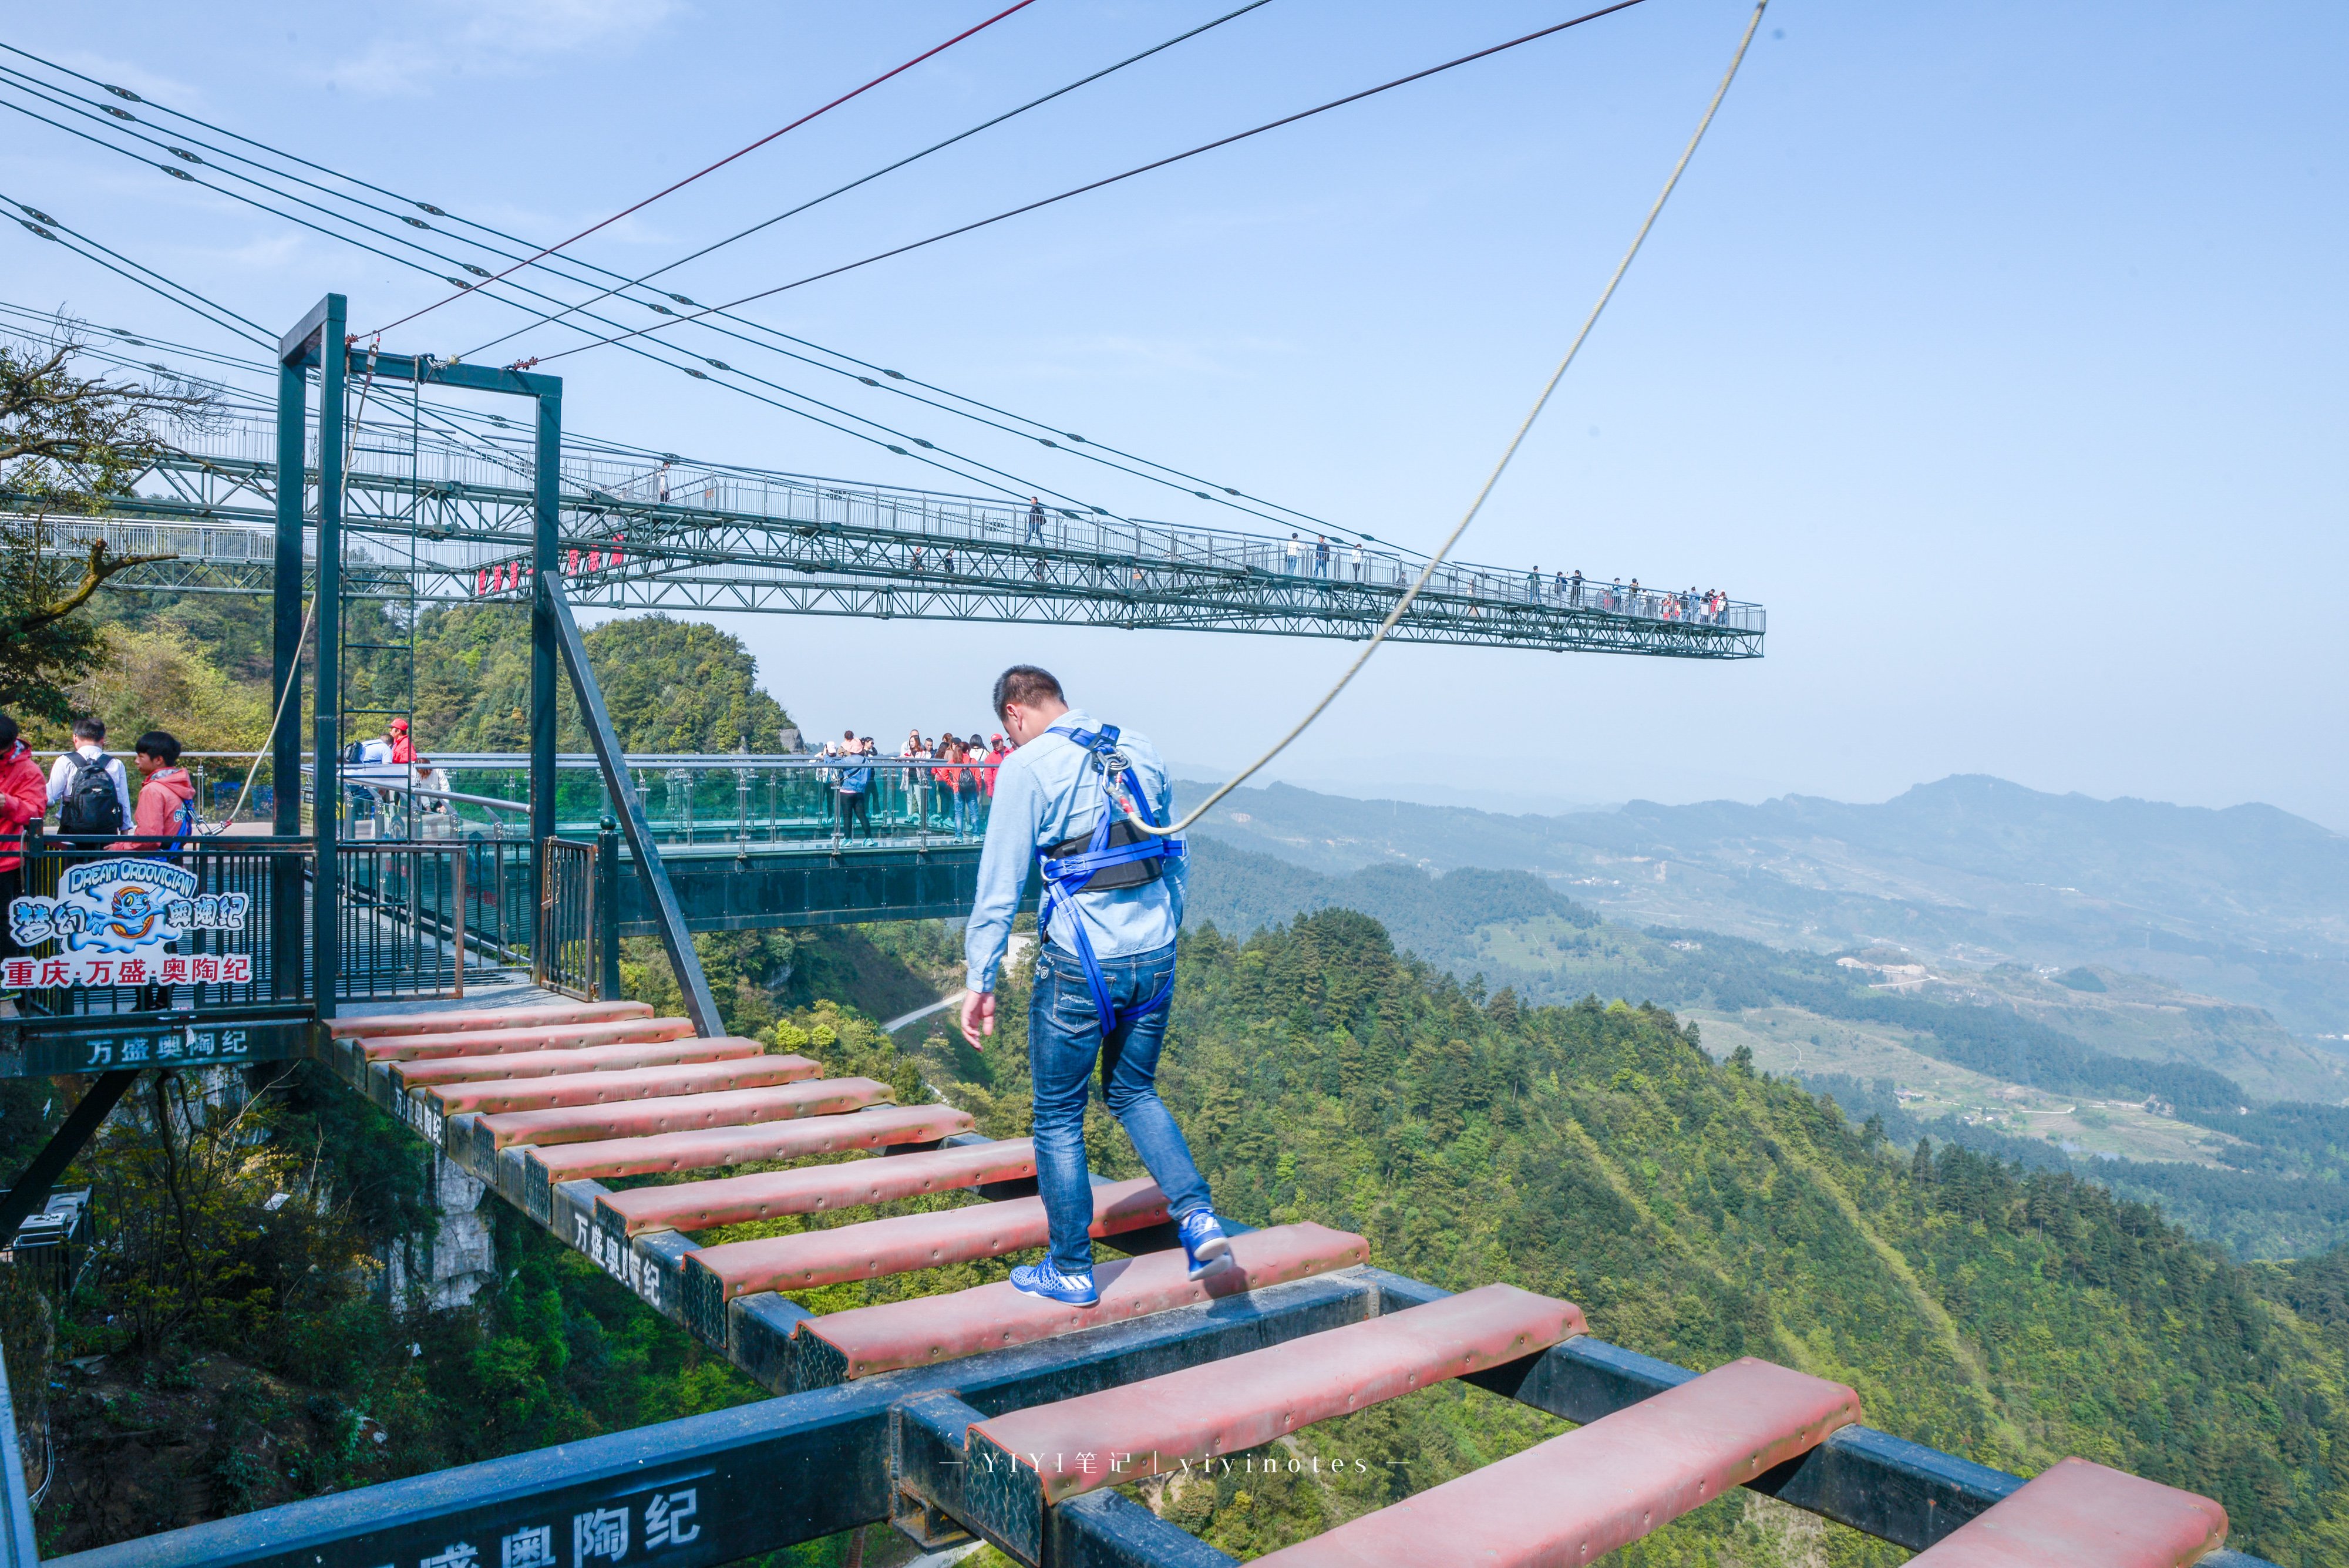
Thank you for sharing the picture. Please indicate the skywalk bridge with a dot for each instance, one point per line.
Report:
(447, 524)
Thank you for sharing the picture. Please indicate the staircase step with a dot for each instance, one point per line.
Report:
(674, 1114)
(496, 1096)
(858, 1343)
(813, 1190)
(538, 1037)
(716, 1275)
(381, 1025)
(438, 1070)
(1574, 1497)
(1247, 1400)
(2086, 1516)
(715, 1147)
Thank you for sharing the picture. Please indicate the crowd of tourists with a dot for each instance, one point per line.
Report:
(941, 784)
(1709, 608)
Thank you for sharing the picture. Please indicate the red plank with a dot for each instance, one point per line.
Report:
(1565, 1503)
(1244, 1401)
(2086, 1516)
(930, 1329)
(703, 1205)
(539, 1037)
(682, 1113)
(911, 1241)
(495, 1095)
(716, 1146)
(367, 1026)
(439, 1070)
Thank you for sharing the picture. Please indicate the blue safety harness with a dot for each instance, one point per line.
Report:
(1066, 875)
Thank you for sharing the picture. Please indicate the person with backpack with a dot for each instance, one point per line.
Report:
(166, 795)
(89, 789)
(24, 798)
(1104, 970)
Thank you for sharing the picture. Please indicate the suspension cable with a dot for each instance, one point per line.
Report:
(1404, 605)
(897, 382)
(753, 147)
(1112, 180)
(887, 168)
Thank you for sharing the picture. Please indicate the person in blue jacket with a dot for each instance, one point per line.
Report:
(1105, 971)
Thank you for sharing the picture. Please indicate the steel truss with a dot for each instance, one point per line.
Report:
(811, 549)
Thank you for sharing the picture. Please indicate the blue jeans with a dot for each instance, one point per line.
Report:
(1063, 1040)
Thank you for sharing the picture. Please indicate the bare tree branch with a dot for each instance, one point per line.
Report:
(101, 566)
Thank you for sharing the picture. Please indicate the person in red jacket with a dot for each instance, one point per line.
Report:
(166, 794)
(403, 749)
(24, 798)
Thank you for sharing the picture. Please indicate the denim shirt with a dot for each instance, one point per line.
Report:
(1046, 792)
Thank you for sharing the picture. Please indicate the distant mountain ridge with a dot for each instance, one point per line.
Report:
(2249, 902)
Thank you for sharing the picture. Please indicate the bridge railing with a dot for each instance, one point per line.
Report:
(741, 800)
(416, 919)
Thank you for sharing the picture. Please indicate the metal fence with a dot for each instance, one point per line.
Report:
(567, 897)
(405, 921)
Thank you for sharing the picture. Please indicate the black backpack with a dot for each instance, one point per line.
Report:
(90, 805)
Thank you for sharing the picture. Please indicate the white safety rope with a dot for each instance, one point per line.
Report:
(1404, 605)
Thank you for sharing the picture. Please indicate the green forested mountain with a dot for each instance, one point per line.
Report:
(1701, 1212)
(670, 686)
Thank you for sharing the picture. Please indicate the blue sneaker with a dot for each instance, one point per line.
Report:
(1203, 1241)
(1046, 1279)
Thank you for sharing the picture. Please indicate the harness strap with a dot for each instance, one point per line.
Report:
(1065, 875)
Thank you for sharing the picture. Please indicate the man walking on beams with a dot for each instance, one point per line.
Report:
(1105, 972)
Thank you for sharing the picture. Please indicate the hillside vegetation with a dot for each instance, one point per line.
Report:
(1702, 1211)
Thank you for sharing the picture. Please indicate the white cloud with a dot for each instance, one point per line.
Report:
(490, 38)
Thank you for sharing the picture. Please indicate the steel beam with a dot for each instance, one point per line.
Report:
(761, 1476)
(29, 1193)
(669, 920)
(19, 1548)
(327, 804)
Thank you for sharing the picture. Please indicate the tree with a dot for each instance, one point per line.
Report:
(68, 443)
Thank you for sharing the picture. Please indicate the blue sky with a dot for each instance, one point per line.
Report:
(1996, 347)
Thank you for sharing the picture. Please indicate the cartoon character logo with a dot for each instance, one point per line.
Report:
(135, 916)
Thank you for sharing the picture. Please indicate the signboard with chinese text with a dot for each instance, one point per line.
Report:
(90, 1044)
(115, 921)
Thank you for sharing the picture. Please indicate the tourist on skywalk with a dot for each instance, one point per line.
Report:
(1104, 967)
(916, 780)
(88, 786)
(1035, 520)
(977, 784)
(24, 798)
(1358, 560)
(434, 780)
(403, 749)
(1322, 555)
(998, 748)
(1296, 552)
(856, 781)
(1533, 585)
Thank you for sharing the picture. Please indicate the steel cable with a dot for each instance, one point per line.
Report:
(1078, 445)
(722, 162)
(1402, 606)
(1112, 180)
